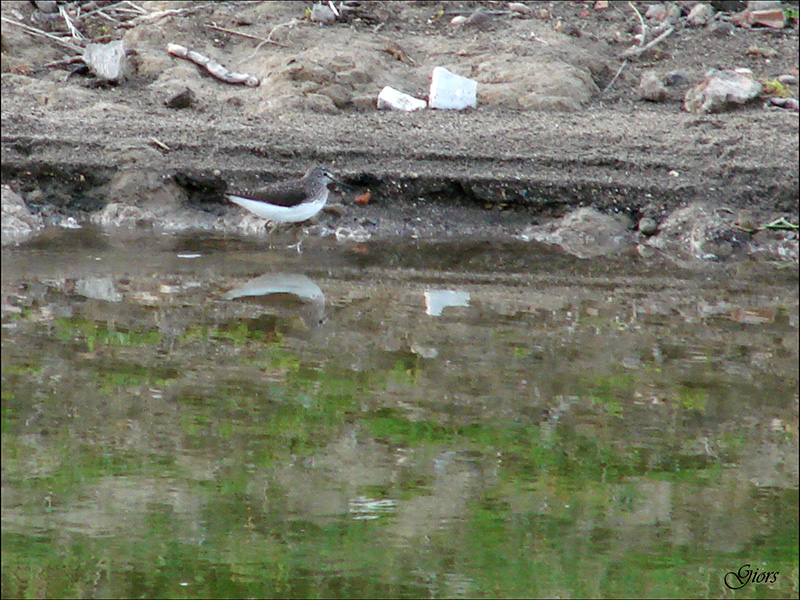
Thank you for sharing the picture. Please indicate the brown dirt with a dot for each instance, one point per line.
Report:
(73, 147)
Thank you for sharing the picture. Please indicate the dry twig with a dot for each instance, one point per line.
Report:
(100, 12)
(40, 33)
(613, 79)
(137, 8)
(642, 25)
(216, 27)
(160, 14)
(288, 24)
(160, 144)
(63, 63)
(637, 50)
(62, 10)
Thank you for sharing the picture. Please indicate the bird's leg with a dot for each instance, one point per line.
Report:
(296, 228)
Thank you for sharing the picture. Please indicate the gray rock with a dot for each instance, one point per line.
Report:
(47, 6)
(320, 103)
(700, 15)
(720, 28)
(118, 214)
(701, 232)
(789, 103)
(721, 90)
(340, 94)
(180, 99)
(99, 288)
(533, 84)
(364, 101)
(479, 19)
(306, 70)
(109, 62)
(322, 14)
(676, 78)
(729, 5)
(651, 88)
(19, 223)
(584, 233)
(648, 226)
(756, 5)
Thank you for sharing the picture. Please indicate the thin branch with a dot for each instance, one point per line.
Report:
(332, 6)
(159, 14)
(128, 11)
(641, 22)
(39, 32)
(101, 12)
(160, 144)
(613, 79)
(72, 29)
(63, 63)
(138, 9)
(216, 27)
(637, 50)
(780, 223)
(289, 24)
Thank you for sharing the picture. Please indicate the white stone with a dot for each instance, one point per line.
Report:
(437, 300)
(393, 99)
(520, 8)
(451, 91)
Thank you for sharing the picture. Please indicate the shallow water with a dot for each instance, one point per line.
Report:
(200, 417)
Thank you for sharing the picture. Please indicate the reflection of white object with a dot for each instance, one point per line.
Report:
(99, 288)
(69, 223)
(368, 508)
(437, 300)
(279, 283)
(449, 90)
(396, 100)
(299, 286)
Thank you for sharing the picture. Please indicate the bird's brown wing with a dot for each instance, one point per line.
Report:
(279, 195)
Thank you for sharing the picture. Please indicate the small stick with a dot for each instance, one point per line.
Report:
(332, 6)
(637, 50)
(613, 79)
(159, 15)
(72, 30)
(216, 27)
(643, 27)
(64, 63)
(100, 12)
(536, 38)
(641, 22)
(289, 24)
(160, 144)
(139, 9)
(780, 223)
(126, 11)
(39, 32)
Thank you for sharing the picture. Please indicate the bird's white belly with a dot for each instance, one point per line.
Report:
(282, 214)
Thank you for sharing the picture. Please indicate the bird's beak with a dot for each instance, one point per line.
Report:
(342, 183)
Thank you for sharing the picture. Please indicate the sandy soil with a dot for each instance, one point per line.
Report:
(70, 146)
